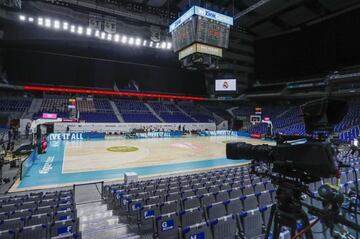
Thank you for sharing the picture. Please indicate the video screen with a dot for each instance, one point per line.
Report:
(225, 85)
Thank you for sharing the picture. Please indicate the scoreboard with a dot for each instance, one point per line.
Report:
(202, 26)
(212, 33)
(184, 35)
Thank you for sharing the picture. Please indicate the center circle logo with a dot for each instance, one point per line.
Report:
(122, 149)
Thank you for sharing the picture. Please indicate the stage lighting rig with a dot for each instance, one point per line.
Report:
(63, 26)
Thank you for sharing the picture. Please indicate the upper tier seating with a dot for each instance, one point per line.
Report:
(14, 104)
(54, 105)
(170, 113)
(199, 114)
(291, 122)
(243, 111)
(135, 111)
(273, 113)
(39, 215)
(219, 111)
(86, 106)
(99, 117)
(96, 111)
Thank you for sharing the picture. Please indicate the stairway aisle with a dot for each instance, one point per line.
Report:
(154, 113)
(116, 111)
(97, 222)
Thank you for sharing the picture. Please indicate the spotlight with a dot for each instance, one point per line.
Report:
(22, 18)
(109, 37)
(31, 19)
(151, 44)
(40, 21)
(47, 22)
(116, 37)
(131, 41)
(102, 35)
(80, 30)
(97, 33)
(169, 45)
(88, 31)
(72, 28)
(144, 43)
(56, 24)
(65, 25)
(138, 41)
(163, 45)
(124, 39)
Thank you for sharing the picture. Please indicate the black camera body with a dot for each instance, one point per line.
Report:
(308, 161)
(298, 157)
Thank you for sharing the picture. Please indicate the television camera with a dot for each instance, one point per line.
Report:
(293, 163)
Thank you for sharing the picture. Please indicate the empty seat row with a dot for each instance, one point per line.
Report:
(193, 184)
(121, 199)
(39, 215)
(45, 215)
(188, 190)
(227, 173)
(60, 229)
(36, 196)
(249, 224)
(7, 208)
(196, 211)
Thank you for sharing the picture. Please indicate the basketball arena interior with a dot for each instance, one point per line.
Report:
(179, 119)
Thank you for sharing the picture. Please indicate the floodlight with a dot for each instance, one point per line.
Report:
(151, 44)
(144, 43)
(97, 33)
(169, 45)
(88, 31)
(56, 24)
(102, 35)
(31, 19)
(72, 28)
(163, 45)
(65, 25)
(124, 39)
(80, 30)
(109, 37)
(47, 22)
(22, 18)
(40, 21)
(116, 37)
(138, 41)
(157, 45)
(131, 41)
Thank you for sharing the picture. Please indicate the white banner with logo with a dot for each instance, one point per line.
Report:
(129, 127)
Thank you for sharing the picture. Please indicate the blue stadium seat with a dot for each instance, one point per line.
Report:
(36, 231)
(224, 227)
(197, 231)
(166, 226)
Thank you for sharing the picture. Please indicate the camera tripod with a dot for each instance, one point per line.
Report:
(287, 212)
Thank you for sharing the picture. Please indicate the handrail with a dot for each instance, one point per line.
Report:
(91, 183)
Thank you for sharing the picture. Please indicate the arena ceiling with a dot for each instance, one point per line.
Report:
(273, 17)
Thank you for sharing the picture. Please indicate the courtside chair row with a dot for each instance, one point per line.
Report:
(40, 215)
